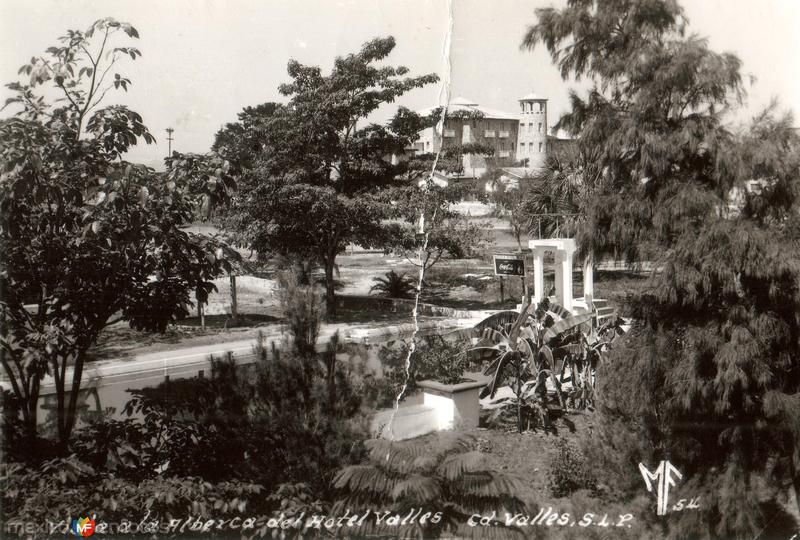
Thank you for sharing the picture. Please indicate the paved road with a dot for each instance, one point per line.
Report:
(189, 361)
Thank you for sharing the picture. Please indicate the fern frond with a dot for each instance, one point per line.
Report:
(489, 484)
(418, 488)
(455, 465)
(365, 479)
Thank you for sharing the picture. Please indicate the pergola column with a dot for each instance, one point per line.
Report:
(564, 250)
(538, 276)
(566, 280)
(558, 257)
(588, 279)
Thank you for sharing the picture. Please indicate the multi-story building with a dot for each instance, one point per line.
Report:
(517, 139)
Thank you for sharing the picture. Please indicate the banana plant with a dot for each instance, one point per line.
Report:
(521, 351)
(579, 355)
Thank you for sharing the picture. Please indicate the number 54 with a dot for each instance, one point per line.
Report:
(681, 504)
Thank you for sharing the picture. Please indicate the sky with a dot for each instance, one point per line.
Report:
(204, 60)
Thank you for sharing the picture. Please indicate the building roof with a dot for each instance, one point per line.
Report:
(533, 97)
(467, 105)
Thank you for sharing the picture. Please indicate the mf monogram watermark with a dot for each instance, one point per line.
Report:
(663, 478)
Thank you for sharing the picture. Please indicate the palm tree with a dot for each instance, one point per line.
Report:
(559, 191)
(393, 285)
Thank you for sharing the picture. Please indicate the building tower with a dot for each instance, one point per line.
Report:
(532, 138)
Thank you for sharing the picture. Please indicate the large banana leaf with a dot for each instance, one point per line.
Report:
(499, 366)
(497, 320)
(562, 326)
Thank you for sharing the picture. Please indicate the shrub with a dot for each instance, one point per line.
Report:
(61, 488)
(435, 358)
(569, 471)
(304, 308)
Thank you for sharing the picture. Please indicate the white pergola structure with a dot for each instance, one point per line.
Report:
(564, 251)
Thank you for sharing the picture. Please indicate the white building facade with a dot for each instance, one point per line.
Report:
(514, 137)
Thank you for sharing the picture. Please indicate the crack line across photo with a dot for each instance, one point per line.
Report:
(444, 98)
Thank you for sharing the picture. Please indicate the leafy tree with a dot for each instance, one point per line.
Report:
(312, 189)
(210, 182)
(710, 377)
(87, 239)
(443, 231)
(511, 201)
(243, 141)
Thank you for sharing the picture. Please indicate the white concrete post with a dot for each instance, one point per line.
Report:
(588, 277)
(538, 276)
(559, 275)
(566, 281)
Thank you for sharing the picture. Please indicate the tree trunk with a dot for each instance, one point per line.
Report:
(330, 291)
(72, 406)
(234, 306)
(519, 402)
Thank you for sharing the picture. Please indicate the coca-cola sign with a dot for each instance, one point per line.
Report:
(509, 265)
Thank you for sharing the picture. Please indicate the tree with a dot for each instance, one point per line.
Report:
(242, 142)
(419, 212)
(510, 201)
(210, 183)
(313, 188)
(87, 239)
(710, 377)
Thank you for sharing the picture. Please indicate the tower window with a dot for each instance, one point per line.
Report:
(540, 148)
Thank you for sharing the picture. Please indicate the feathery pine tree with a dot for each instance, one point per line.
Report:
(710, 377)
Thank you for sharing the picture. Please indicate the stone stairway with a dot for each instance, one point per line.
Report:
(603, 310)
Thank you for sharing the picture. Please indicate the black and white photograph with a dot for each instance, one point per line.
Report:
(424, 269)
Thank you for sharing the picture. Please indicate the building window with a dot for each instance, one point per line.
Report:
(540, 148)
(522, 148)
(540, 127)
(530, 148)
(541, 107)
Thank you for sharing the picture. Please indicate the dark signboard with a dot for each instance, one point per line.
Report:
(509, 265)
